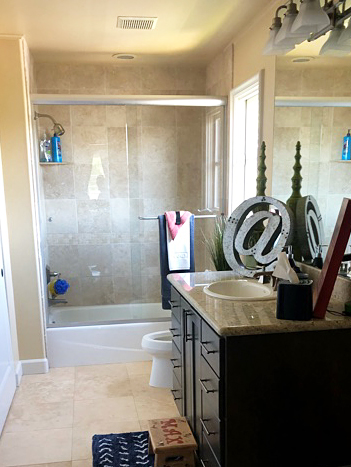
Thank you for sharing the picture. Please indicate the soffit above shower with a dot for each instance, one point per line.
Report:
(187, 31)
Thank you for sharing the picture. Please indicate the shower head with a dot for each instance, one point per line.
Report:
(57, 129)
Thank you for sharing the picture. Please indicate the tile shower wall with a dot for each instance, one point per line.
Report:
(122, 162)
(321, 131)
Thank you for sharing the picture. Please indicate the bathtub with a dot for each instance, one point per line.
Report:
(94, 335)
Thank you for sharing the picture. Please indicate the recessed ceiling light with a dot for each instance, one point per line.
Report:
(124, 56)
(302, 59)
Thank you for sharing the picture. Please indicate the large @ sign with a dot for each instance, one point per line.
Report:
(277, 220)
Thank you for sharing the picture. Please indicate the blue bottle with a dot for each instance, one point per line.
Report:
(56, 148)
(346, 148)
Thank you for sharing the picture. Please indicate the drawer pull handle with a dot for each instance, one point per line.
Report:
(202, 382)
(174, 396)
(173, 332)
(170, 303)
(203, 462)
(173, 364)
(188, 312)
(208, 433)
(203, 345)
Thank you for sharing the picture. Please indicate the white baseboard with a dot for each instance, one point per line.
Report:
(35, 366)
(19, 373)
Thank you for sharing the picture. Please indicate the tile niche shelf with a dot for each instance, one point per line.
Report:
(53, 163)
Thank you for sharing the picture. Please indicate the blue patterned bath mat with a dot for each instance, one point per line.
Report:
(122, 450)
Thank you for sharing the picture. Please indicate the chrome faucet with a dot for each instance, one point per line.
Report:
(266, 277)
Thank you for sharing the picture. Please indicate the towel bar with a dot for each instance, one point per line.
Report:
(154, 218)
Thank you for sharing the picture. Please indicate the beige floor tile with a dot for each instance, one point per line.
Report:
(39, 416)
(53, 387)
(102, 381)
(149, 408)
(83, 433)
(99, 388)
(52, 464)
(117, 408)
(139, 368)
(141, 387)
(144, 425)
(82, 463)
(118, 370)
(36, 447)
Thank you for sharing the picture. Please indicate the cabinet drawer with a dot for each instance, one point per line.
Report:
(175, 304)
(207, 458)
(209, 385)
(210, 344)
(210, 425)
(177, 394)
(176, 361)
(176, 331)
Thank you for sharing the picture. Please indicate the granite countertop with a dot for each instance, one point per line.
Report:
(230, 318)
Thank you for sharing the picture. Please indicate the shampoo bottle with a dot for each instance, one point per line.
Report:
(56, 148)
(346, 148)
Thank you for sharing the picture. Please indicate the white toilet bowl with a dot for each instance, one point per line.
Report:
(159, 345)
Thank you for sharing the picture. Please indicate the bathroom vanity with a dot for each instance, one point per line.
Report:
(258, 391)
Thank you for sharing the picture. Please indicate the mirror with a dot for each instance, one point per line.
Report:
(313, 106)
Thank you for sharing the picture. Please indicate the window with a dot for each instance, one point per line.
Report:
(245, 134)
(214, 148)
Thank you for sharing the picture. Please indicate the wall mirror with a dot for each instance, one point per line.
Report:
(313, 106)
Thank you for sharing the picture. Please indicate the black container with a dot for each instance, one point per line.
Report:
(294, 301)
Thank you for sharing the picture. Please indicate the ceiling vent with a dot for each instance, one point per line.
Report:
(141, 23)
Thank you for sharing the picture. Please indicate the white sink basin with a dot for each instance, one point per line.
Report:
(248, 290)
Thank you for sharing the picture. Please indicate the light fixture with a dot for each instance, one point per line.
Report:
(285, 36)
(271, 48)
(345, 36)
(311, 18)
(124, 56)
(332, 46)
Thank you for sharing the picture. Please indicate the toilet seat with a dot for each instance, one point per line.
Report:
(155, 342)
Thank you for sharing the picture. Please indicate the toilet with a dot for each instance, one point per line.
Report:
(159, 345)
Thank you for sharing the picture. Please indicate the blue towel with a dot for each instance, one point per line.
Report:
(164, 270)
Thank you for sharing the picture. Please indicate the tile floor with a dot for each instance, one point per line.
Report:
(54, 416)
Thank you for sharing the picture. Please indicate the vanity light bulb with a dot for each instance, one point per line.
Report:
(285, 36)
(332, 46)
(271, 48)
(345, 37)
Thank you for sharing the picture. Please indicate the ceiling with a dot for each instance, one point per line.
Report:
(85, 30)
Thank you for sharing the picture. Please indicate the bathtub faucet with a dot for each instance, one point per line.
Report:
(56, 301)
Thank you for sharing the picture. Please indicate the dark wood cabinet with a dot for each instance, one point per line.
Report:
(275, 400)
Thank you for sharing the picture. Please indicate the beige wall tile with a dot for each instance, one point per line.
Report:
(159, 180)
(158, 78)
(119, 180)
(58, 182)
(159, 145)
(117, 145)
(159, 116)
(61, 216)
(287, 117)
(64, 259)
(123, 80)
(36, 447)
(93, 216)
(124, 290)
(120, 219)
(151, 288)
(51, 76)
(95, 260)
(116, 116)
(97, 291)
(88, 115)
(91, 181)
(87, 79)
(340, 176)
(121, 259)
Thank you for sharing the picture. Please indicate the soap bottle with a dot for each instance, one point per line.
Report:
(56, 148)
(45, 151)
(346, 148)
